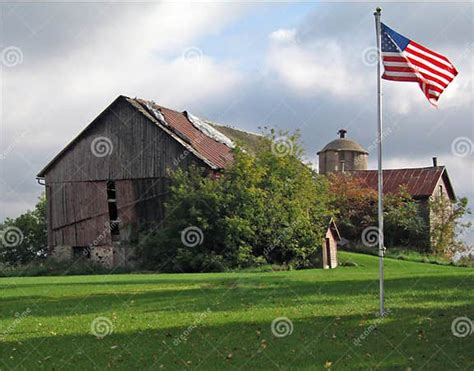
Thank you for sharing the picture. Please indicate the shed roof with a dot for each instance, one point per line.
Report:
(419, 182)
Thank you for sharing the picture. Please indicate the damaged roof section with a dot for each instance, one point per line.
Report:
(202, 138)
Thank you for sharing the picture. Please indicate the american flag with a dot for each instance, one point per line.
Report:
(406, 60)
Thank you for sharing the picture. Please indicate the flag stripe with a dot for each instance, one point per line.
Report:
(427, 65)
(430, 52)
(398, 78)
(441, 64)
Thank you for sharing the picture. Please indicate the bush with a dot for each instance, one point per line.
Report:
(54, 268)
(24, 239)
(264, 209)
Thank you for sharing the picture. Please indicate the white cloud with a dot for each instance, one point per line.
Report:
(284, 35)
(323, 67)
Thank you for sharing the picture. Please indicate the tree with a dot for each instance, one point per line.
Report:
(24, 239)
(403, 225)
(447, 223)
(266, 207)
(356, 206)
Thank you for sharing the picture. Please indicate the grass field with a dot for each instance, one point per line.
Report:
(220, 321)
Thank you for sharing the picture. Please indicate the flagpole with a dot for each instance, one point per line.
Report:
(377, 14)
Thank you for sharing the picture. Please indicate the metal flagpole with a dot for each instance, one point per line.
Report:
(377, 14)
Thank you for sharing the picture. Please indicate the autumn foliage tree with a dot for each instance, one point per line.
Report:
(356, 206)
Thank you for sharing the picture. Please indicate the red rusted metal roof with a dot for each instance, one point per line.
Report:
(419, 182)
(213, 151)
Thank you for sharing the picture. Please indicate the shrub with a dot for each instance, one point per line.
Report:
(265, 208)
(24, 238)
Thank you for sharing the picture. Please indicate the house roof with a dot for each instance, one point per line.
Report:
(419, 182)
(200, 138)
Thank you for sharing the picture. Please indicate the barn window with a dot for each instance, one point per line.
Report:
(81, 252)
(113, 212)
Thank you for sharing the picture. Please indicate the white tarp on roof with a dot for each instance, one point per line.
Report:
(156, 112)
(205, 127)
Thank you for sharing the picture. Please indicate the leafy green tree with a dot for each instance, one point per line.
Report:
(403, 224)
(24, 239)
(446, 224)
(266, 207)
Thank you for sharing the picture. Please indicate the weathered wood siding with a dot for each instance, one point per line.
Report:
(78, 213)
(138, 160)
(139, 149)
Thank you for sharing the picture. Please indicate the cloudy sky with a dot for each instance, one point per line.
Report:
(300, 65)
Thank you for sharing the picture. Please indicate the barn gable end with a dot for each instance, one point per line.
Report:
(111, 179)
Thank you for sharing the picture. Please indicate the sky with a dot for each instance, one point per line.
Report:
(307, 66)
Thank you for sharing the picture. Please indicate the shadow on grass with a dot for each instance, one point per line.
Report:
(230, 294)
(405, 338)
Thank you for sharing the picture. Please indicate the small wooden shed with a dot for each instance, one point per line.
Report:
(329, 248)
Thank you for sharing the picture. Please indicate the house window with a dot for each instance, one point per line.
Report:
(440, 190)
(113, 212)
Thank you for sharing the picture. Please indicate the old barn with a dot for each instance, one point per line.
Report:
(112, 178)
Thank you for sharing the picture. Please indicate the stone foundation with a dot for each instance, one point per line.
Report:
(107, 256)
(62, 253)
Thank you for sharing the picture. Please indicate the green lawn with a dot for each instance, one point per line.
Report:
(220, 321)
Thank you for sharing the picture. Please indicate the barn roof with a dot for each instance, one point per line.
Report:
(419, 182)
(210, 142)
